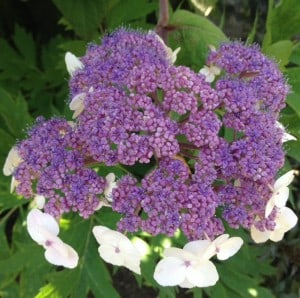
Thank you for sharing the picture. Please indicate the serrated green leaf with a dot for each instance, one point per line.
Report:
(194, 34)
(85, 17)
(15, 113)
(25, 44)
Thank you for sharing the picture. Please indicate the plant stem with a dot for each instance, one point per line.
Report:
(163, 21)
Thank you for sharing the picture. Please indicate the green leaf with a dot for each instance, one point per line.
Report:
(85, 17)
(285, 20)
(295, 56)
(194, 34)
(294, 78)
(14, 111)
(25, 45)
(280, 51)
(293, 100)
(130, 10)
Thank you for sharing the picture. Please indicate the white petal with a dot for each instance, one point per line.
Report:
(72, 63)
(286, 136)
(12, 161)
(269, 207)
(197, 247)
(173, 55)
(221, 239)
(102, 204)
(284, 180)
(258, 236)
(276, 235)
(77, 104)
(203, 249)
(170, 272)
(39, 201)
(61, 254)
(97, 231)
(179, 253)
(13, 184)
(281, 196)
(186, 284)
(110, 185)
(132, 262)
(110, 254)
(229, 248)
(202, 274)
(40, 224)
(286, 219)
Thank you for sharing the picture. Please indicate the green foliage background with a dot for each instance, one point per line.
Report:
(33, 81)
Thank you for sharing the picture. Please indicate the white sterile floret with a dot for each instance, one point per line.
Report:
(171, 55)
(77, 104)
(185, 268)
(226, 247)
(13, 184)
(43, 229)
(210, 72)
(280, 192)
(110, 185)
(286, 136)
(117, 249)
(12, 161)
(285, 220)
(39, 201)
(72, 63)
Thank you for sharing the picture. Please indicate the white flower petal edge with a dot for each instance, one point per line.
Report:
(285, 220)
(286, 136)
(77, 104)
(12, 161)
(72, 63)
(43, 229)
(280, 192)
(110, 185)
(117, 249)
(210, 72)
(171, 55)
(226, 247)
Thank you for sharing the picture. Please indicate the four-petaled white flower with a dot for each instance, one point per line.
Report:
(43, 229)
(210, 72)
(286, 136)
(280, 192)
(285, 220)
(117, 249)
(190, 267)
(12, 161)
(72, 63)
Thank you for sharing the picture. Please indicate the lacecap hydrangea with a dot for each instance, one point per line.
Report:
(210, 140)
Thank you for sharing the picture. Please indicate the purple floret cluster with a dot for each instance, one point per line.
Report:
(212, 147)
